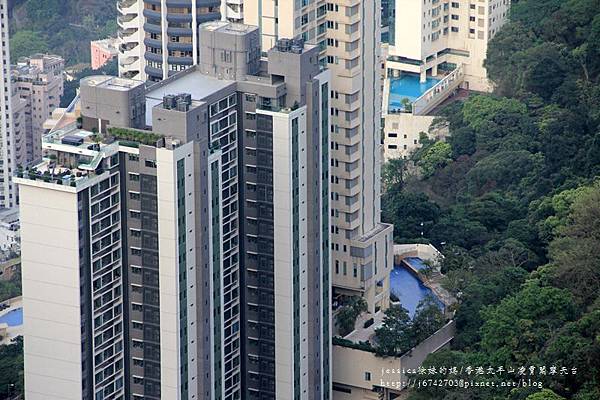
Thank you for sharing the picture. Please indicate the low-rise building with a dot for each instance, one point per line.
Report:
(103, 51)
(9, 230)
(402, 133)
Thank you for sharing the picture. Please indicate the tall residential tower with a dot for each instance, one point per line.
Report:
(348, 35)
(160, 37)
(189, 237)
(7, 163)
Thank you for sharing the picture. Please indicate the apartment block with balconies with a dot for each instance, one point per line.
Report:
(434, 37)
(190, 235)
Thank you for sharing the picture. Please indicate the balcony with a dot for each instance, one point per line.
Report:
(127, 6)
(129, 21)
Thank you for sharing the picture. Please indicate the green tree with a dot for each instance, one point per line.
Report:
(393, 174)
(519, 327)
(11, 368)
(545, 394)
(434, 157)
(395, 335)
(25, 43)
(346, 316)
(428, 319)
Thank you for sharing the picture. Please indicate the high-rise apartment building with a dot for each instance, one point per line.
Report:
(8, 161)
(38, 81)
(189, 237)
(348, 34)
(130, 37)
(160, 38)
(233, 10)
(288, 19)
(431, 37)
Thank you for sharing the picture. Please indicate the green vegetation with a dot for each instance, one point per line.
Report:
(346, 316)
(10, 288)
(11, 369)
(135, 136)
(63, 27)
(399, 333)
(515, 205)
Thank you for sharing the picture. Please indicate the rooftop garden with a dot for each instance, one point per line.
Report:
(133, 137)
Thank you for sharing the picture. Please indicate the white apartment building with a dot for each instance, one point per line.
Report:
(8, 162)
(232, 10)
(131, 39)
(431, 37)
(160, 38)
(348, 33)
(436, 48)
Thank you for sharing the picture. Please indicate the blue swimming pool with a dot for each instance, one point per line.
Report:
(409, 289)
(13, 318)
(407, 86)
(416, 263)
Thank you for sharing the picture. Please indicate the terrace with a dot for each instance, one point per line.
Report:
(72, 155)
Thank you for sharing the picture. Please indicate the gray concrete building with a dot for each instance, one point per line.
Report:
(189, 235)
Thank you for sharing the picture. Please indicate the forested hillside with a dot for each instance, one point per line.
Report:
(63, 27)
(513, 201)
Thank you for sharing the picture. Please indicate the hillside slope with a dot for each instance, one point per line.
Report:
(63, 27)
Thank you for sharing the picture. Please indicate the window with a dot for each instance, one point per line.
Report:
(367, 376)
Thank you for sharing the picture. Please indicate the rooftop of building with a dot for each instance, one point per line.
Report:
(108, 44)
(191, 81)
(9, 215)
(228, 27)
(29, 68)
(72, 155)
(111, 82)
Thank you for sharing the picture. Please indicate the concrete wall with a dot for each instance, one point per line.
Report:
(51, 293)
(402, 132)
(361, 371)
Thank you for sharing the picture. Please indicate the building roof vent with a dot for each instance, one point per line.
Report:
(169, 101)
(182, 105)
(284, 45)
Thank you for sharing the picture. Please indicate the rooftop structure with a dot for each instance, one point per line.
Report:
(103, 51)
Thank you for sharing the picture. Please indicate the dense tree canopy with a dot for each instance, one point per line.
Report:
(515, 204)
(63, 27)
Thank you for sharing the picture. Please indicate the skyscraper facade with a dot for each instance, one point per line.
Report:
(348, 34)
(8, 161)
(159, 37)
(431, 38)
(189, 236)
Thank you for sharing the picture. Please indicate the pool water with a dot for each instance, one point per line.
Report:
(407, 86)
(409, 289)
(13, 318)
(416, 263)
